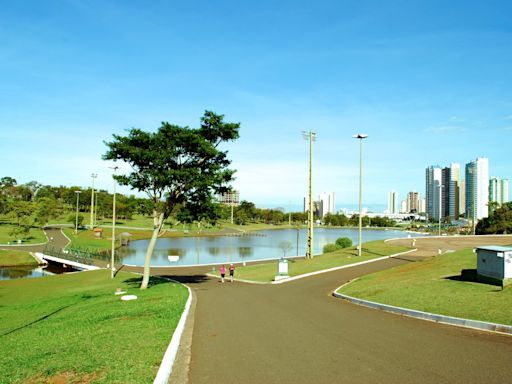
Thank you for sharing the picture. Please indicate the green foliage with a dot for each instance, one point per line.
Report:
(20, 232)
(72, 218)
(337, 219)
(180, 168)
(330, 247)
(21, 210)
(46, 209)
(343, 242)
(498, 222)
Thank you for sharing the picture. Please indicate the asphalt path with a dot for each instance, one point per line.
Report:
(298, 333)
(55, 238)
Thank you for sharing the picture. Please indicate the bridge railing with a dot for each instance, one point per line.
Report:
(79, 255)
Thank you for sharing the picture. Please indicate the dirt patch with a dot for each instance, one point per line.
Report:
(65, 378)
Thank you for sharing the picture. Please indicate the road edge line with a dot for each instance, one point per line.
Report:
(341, 267)
(436, 318)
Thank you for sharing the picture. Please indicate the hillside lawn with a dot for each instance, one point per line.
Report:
(35, 236)
(267, 271)
(16, 259)
(431, 285)
(72, 328)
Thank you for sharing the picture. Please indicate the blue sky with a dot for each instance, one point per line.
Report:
(428, 81)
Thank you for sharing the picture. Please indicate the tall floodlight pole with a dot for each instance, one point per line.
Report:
(76, 217)
(360, 136)
(94, 176)
(113, 224)
(311, 136)
(440, 205)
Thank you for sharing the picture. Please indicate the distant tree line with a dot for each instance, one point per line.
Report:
(246, 212)
(34, 205)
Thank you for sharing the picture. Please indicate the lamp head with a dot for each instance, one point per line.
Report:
(360, 136)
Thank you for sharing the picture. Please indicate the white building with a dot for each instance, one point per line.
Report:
(392, 202)
(498, 191)
(327, 203)
(477, 188)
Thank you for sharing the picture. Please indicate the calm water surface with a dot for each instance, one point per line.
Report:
(22, 272)
(261, 245)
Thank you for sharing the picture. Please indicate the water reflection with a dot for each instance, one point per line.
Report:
(242, 247)
(245, 251)
(11, 273)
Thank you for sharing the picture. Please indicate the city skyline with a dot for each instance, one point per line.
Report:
(428, 82)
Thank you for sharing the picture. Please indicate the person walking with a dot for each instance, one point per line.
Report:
(222, 271)
(231, 272)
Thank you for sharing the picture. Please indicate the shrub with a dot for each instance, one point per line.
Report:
(330, 248)
(343, 242)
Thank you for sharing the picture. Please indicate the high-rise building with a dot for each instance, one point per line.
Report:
(423, 205)
(477, 188)
(327, 203)
(433, 180)
(392, 202)
(462, 197)
(324, 205)
(403, 206)
(450, 191)
(498, 191)
(413, 202)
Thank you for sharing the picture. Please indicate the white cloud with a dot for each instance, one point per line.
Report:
(444, 129)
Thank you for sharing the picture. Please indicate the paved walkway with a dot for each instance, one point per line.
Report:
(55, 236)
(298, 333)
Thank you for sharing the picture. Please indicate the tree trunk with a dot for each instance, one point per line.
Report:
(159, 220)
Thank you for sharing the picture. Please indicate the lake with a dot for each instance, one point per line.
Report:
(260, 245)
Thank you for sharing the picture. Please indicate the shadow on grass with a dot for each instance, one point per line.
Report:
(471, 276)
(40, 319)
(135, 282)
(465, 275)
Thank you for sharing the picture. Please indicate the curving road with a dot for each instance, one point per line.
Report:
(54, 235)
(298, 333)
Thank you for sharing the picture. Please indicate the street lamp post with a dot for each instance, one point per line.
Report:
(360, 136)
(76, 217)
(94, 176)
(311, 136)
(113, 224)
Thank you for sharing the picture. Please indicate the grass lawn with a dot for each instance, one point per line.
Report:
(35, 236)
(73, 327)
(426, 286)
(371, 250)
(85, 239)
(16, 259)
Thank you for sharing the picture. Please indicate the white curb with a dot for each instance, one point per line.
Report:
(165, 370)
(456, 321)
(341, 267)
